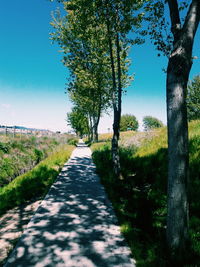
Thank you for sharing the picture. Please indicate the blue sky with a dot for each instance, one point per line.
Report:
(32, 77)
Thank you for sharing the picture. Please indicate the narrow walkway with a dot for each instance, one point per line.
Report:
(75, 225)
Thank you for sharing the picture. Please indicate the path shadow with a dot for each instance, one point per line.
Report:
(12, 225)
(74, 226)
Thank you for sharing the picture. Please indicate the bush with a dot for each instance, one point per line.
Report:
(39, 155)
(4, 147)
(72, 141)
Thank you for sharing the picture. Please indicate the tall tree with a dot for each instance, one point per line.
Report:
(178, 46)
(78, 121)
(95, 31)
(119, 18)
(82, 44)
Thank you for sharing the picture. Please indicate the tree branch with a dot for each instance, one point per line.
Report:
(192, 19)
(175, 18)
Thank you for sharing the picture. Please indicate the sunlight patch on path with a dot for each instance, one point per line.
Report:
(75, 224)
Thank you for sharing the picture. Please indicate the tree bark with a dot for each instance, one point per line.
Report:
(178, 70)
(178, 163)
(95, 128)
(90, 129)
(96, 136)
(117, 113)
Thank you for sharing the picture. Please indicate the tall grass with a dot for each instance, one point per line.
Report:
(20, 154)
(140, 199)
(36, 182)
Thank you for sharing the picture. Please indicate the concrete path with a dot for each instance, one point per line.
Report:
(75, 225)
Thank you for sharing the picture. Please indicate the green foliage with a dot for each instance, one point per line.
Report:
(84, 54)
(193, 99)
(4, 147)
(72, 141)
(150, 123)
(94, 38)
(34, 183)
(128, 122)
(38, 155)
(140, 199)
(78, 121)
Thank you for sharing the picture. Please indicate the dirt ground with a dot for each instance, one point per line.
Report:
(12, 225)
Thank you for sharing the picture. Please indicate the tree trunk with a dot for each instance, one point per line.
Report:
(91, 129)
(98, 115)
(178, 160)
(115, 148)
(95, 129)
(117, 115)
(96, 124)
(179, 66)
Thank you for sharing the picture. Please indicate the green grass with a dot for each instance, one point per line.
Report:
(140, 199)
(20, 154)
(36, 182)
(108, 136)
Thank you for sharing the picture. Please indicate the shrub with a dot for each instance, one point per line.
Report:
(72, 141)
(4, 147)
(38, 155)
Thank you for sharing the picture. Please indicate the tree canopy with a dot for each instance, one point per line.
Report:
(94, 38)
(128, 123)
(78, 121)
(84, 55)
(193, 99)
(150, 123)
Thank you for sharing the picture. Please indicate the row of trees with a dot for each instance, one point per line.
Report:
(79, 122)
(94, 36)
(130, 123)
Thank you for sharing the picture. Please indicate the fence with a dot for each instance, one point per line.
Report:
(15, 130)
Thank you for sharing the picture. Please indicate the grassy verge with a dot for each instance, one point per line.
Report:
(36, 182)
(21, 153)
(140, 199)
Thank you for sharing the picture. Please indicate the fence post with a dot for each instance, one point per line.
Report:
(14, 132)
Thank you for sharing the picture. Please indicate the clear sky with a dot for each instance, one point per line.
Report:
(32, 77)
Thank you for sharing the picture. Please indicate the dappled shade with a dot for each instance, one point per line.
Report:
(75, 224)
